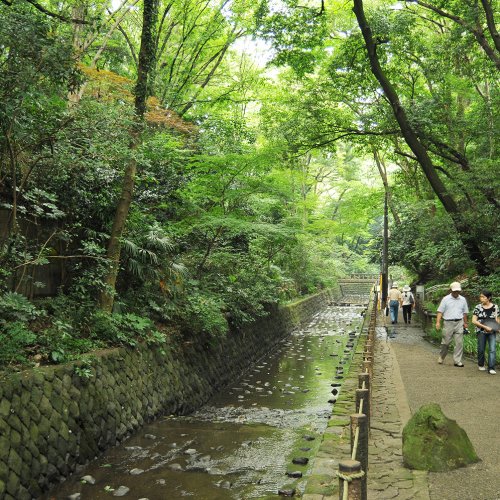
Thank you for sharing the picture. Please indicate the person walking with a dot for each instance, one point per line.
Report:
(453, 310)
(394, 297)
(485, 318)
(408, 303)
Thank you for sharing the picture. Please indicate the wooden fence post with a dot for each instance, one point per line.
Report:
(359, 423)
(365, 378)
(363, 395)
(350, 475)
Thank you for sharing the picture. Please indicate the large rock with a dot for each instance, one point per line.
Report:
(433, 442)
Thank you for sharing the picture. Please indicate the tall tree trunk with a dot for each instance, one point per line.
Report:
(383, 174)
(463, 230)
(142, 90)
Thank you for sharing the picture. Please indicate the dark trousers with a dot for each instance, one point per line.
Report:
(407, 313)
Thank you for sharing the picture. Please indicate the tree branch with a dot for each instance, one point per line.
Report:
(477, 32)
(490, 21)
(49, 13)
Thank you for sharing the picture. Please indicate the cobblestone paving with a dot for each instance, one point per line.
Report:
(387, 477)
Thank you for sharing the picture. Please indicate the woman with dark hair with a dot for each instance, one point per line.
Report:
(485, 318)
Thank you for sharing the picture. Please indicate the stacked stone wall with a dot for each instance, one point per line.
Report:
(53, 420)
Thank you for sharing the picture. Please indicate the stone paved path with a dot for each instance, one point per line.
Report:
(467, 395)
(387, 477)
(407, 376)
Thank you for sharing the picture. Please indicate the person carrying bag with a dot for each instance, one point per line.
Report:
(408, 301)
(486, 319)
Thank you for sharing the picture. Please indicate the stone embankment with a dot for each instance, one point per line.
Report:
(55, 419)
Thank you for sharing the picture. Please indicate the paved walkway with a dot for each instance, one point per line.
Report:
(406, 376)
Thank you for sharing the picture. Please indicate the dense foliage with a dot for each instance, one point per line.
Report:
(246, 186)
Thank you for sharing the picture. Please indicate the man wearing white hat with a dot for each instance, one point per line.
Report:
(394, 297)
(453, 310)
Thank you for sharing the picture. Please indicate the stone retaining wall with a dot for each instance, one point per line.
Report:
(52, 419)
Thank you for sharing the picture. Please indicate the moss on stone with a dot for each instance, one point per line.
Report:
(57, 402)
(15, 438)
(321, 484)
(45, 407)
(4, 471)
(4, 427)
(4, 408)
(34, 412)
(338, 422)
(36, 395)
(433, 442)
(64, 431)
(34, 432)
(44, 426)
(14, 422)
(38, 377)
(25, 416)
(15, 461)
(330, 445)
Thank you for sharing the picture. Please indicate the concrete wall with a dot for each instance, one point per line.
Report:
(52, 420)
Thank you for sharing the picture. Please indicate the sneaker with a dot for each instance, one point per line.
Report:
(460, 365)
(482, 368)
(440, 360)
(492, 372)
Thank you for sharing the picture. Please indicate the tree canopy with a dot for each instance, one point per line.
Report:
(180, 166)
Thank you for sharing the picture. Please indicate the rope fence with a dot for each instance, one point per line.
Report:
(353, 473)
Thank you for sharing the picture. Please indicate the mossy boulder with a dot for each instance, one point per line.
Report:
(433, 442)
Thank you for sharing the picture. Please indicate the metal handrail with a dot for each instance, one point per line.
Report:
(444, 286)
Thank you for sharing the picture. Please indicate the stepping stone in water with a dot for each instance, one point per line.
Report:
(176, 467)
(121, 491)
(286, 493)
(136, 472)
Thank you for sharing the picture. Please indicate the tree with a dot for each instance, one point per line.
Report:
(421, 106)
(142, 90)
(35, 71)
(477, 21)
(416, 145)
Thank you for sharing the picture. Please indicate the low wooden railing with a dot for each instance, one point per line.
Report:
(353, 473)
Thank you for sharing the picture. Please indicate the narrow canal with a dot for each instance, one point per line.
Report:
(243, 444)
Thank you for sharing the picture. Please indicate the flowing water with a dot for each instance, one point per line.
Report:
(243, 443)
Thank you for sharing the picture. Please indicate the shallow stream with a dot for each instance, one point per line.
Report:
(242, 444)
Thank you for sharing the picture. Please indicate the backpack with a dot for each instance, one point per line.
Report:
(411, 300)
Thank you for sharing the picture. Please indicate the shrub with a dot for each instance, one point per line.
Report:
(14, 338)
(124, 329)
(16, 307)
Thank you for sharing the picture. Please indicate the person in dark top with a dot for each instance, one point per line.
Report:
(408, 301)
(485, 318)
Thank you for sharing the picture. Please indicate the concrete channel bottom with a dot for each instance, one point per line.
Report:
(242, 444)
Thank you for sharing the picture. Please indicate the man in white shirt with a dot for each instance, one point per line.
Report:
(453, 310)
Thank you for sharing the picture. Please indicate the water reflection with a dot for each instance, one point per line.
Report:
(244, 442)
